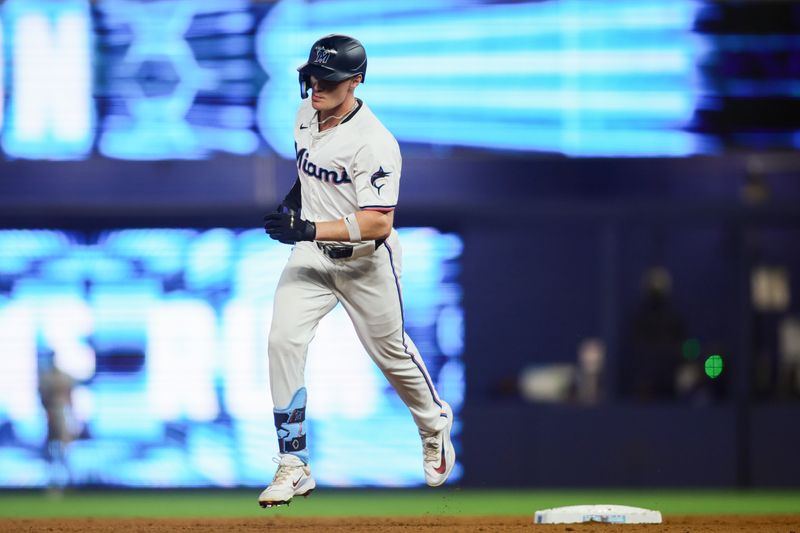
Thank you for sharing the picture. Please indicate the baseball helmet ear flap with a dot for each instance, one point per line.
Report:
(305, 85)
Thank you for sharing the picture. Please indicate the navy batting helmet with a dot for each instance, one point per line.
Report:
(334, 58)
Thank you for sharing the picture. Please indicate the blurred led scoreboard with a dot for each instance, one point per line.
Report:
(165, 333)
(184, 79)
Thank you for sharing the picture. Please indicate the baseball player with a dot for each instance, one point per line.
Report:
(55, 393)
(339, 215)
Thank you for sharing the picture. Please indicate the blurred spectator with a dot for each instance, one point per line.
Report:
(654, 341)
(773, 331)
(789, 349)
(589, 377)
(55, 392)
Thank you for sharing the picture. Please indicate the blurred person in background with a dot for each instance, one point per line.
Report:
(789, 354)
(654, 341)
(55, 392)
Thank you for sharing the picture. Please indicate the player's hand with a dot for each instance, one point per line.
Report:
(283, 208)
(289, 228)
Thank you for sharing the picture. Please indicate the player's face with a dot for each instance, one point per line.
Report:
(327, 95)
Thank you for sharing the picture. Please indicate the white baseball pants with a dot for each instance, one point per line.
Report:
(369, 288)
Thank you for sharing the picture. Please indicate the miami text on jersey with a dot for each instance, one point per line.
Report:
(322, 174)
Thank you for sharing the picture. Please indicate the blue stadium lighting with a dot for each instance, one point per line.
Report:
(50, 44)
(2, 74)
(22, 468)
(119, 402)
(451, 380)
(519, 136)
(236, 117)
(162, 251)
(234, 22)
(19, 248)
(120, 313)
(209, 260)
(166, 332)
(450, 331)
(573, 76)
(577, 77)
(156, 125)
(220, 17)
(87, 263)
(239, 142)
(156, 128)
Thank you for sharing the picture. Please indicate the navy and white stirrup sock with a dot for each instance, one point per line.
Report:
(289, 425)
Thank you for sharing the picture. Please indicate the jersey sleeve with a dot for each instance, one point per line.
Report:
(376, 176)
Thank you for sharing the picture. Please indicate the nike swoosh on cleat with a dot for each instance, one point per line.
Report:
(295, 483)
(442, 465)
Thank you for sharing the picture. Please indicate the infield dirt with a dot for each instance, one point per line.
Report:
(672, 524)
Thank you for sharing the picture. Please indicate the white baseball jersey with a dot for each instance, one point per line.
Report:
(354, 166)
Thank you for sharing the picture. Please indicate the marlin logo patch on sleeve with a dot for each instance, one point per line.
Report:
(380, 173)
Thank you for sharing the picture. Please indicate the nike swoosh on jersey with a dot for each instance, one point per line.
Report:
(303, 127)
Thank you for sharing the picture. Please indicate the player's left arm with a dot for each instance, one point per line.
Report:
(372, 224)
(363, 225)
(375, 173)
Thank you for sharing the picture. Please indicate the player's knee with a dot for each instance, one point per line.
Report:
(282, 343)
(390, 352)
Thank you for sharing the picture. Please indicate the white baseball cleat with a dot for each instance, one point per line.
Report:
(439, 457)
(293, 478)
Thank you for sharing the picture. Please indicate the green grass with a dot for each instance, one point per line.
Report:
(454, 502)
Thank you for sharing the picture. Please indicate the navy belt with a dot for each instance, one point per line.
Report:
(342, 251)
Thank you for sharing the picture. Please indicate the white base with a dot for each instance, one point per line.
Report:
(613, 514)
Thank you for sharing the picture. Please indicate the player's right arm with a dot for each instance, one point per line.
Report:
(293, 199)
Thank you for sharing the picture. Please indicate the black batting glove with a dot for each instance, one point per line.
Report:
(289, 228)
(283, 208)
